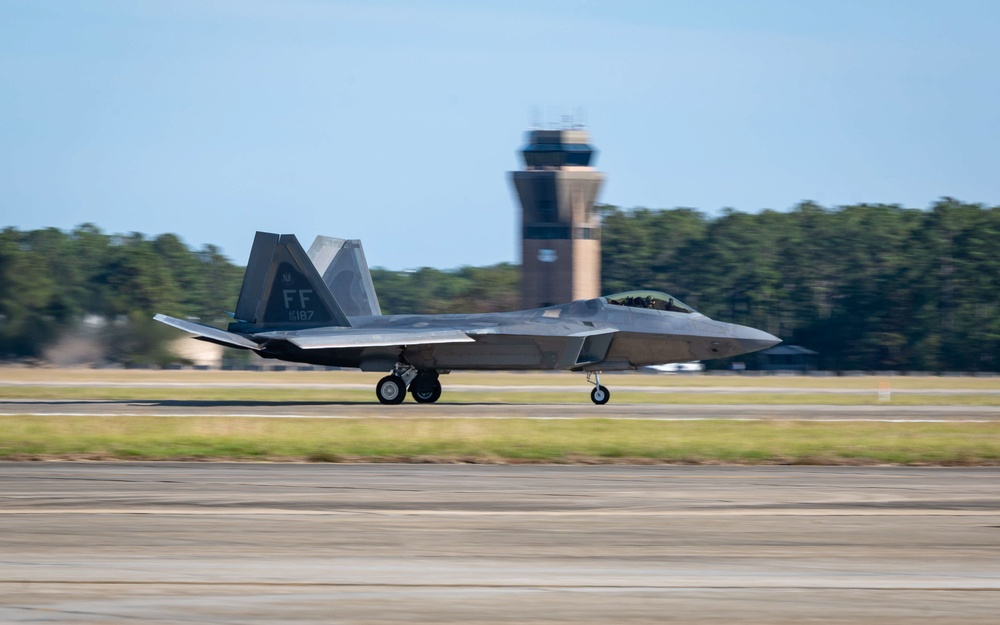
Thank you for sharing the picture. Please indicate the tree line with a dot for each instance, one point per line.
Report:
(873, 287)
(103, 289)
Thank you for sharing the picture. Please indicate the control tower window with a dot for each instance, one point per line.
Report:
(545, 201)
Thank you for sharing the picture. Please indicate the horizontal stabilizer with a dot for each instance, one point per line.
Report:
(367, 337)
(209, 333)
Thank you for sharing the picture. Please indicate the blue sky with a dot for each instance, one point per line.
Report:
(396, 122)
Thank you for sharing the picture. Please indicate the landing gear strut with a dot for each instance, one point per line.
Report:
(600, 395)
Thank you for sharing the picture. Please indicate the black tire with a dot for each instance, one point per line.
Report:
(391, 390)
(425, 388)
(600, 395)
(427, 393)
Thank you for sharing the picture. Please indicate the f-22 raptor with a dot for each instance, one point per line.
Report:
(320, 308)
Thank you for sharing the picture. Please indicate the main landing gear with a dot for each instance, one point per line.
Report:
(391, 389)
(600, 395)
(424, 386)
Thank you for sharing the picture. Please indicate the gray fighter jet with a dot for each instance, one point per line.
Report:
(321, 309)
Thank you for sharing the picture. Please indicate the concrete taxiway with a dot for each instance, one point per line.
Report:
(445, 409)
(259, 543)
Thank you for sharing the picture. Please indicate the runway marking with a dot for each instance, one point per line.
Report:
(486, 388)
(513, 585)
(812, 512)
(256, 415)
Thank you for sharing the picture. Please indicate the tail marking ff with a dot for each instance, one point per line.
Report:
(283, 290)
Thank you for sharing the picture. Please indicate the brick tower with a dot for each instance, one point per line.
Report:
(560, 230)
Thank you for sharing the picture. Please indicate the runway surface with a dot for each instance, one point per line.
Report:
(258, 543)
(501, 388)
(445, 409)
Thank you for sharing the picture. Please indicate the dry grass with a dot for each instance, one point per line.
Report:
(520, 388)
(36, 375)
(492, 440)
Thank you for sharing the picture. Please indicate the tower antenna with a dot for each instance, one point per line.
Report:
(536, 117)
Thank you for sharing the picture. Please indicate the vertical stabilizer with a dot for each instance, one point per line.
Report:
(282, 289)
(264, 244)
(344, 269)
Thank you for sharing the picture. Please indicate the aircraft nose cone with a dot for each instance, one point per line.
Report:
(752, 339)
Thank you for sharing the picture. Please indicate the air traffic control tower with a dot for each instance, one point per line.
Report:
(560, 230)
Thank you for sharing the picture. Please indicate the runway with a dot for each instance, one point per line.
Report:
(445, 409)
(502, 388)
(259, 543)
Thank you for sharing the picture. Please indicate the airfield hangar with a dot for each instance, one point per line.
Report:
(560, 230)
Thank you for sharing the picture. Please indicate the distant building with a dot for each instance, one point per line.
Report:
(787, 358)
(560, 230)
(199, 353)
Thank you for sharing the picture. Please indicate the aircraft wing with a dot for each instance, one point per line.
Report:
(334, 338)
(367, 337)
(208, 333)
(537, 330)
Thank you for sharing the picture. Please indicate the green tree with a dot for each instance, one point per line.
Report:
(28, 298)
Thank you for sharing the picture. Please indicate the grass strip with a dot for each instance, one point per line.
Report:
(498, 440)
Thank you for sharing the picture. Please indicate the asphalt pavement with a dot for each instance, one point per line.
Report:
(446, 409)
(301, 543)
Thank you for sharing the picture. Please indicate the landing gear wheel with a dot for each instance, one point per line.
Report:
(600, 395)
(425, 388)
(391, 390)
(427, 393)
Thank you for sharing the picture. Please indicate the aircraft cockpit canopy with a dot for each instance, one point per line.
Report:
(654, 300)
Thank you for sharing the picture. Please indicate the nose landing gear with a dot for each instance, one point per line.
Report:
(599, 395)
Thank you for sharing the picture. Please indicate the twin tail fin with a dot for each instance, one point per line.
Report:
(282, 289)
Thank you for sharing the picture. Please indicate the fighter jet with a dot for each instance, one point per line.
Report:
(320, 308)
